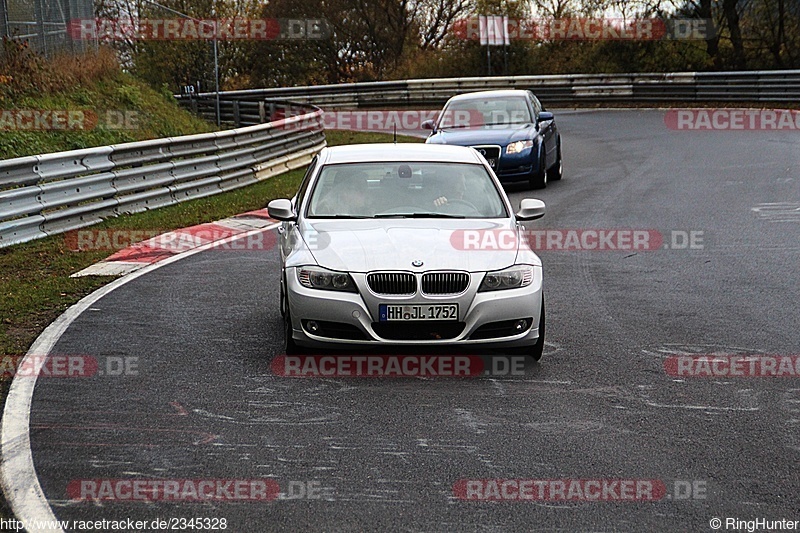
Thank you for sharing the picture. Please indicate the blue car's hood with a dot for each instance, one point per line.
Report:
(500, 135)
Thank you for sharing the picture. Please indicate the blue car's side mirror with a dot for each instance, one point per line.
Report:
(545, 116)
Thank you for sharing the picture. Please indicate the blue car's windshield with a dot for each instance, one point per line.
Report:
(479, 112)
(405, 190)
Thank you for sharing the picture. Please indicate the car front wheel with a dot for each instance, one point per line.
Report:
(539, 177)
(555, 172)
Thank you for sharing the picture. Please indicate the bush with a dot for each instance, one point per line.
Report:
(25, 72)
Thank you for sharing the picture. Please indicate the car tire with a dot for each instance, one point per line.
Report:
(539, 178)
(535, 351)
(282, 302)
(555, 172)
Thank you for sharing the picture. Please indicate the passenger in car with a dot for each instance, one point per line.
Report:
(346, 195)
(352, 195)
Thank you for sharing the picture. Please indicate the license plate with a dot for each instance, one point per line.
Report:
(403, 313)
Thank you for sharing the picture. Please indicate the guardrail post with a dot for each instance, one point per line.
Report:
(237, 116)
(262, 112)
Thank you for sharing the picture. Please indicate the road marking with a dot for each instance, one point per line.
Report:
(17, 472)
(778, 211)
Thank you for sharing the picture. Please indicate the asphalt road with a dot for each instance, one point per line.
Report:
(204, 402)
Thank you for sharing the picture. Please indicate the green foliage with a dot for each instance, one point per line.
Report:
(130, 95)
(758, 34)
(117, 107)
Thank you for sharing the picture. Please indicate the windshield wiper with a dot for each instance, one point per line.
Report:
(417, 215)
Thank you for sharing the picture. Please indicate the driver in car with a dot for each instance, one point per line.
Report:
(453, 189)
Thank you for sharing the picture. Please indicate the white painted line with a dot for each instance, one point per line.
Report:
(111, 268)
(17, 474)
(701, 407)
(244, 224)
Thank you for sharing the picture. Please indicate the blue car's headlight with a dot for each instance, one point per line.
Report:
(509, 278)
(321, 278)
(519, 146)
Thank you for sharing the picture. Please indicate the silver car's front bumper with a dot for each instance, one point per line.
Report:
(361, 310)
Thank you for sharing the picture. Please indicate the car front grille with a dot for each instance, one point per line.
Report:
(392, 283)
(489, 153)
(426, 330)
(445, 282)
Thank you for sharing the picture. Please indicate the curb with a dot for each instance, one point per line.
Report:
(18, 477)
(179, 241)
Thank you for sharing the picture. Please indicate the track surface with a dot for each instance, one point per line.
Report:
(205, 403)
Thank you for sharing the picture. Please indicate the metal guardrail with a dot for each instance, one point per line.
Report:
(747, 86)
(52, 193)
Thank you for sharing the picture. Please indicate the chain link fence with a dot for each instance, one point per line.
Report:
(44, 24)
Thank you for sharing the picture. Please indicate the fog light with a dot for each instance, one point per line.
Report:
(520, 325)
(312, 326)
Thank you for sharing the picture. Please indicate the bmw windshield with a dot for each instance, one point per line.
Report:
(405, 190)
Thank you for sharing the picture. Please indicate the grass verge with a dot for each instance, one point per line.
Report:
(80, 101)
(35, 287)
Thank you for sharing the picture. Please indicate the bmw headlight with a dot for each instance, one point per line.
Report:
(519, 146)
(509, 278)
(322, 278)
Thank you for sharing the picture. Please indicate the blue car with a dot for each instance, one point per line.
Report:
(510, 128)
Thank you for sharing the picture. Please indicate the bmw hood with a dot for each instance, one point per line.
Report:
(394, 244)
(500, 135)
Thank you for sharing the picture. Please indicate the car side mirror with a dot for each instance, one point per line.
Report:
(427, 124)
(281, 209)
(544, 116)
(530, 209)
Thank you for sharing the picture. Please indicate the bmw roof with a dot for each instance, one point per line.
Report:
(362, 153)
(503, 93)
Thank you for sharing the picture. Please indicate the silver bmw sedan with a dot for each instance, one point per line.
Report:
(407, 245)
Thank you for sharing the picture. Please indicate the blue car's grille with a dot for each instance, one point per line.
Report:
(490, 153)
